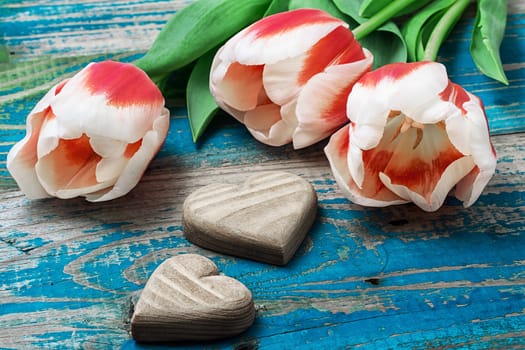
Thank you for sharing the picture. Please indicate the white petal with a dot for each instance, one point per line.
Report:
(280, 80)
(48, 139)
(470, 134)
(279, 134)
(138, 163)
(412, 89)
(355, 162)
(22, 158)
(107, 148)
(109, 169)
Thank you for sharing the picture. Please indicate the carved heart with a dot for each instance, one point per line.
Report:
(186, 299)
(265, 219)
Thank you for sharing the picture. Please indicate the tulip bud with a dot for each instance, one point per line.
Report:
(92, 135)
(413, 136)
(287, 76)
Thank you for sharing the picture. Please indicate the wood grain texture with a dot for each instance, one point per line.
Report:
(186, 299)
(265, 218)
(393, 277)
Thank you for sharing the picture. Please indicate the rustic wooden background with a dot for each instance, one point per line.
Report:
(368, 278)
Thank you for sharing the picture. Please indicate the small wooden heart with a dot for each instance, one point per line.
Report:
(186, 299)
(265, 219)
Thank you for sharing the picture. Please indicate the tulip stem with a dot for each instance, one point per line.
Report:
(443, 28)
(381, 17)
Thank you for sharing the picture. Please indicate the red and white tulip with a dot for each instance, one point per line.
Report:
(413, 136)
(287, 76)
(92, 135)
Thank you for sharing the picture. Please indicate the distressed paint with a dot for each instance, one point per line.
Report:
(368, 278)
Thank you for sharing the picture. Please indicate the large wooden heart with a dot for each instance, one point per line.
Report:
(186, 299)
(265, 219)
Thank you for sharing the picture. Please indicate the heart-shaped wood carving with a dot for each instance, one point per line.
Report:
(265, 219)
(186, 299)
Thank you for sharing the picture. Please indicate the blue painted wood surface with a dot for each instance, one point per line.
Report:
(394, 277)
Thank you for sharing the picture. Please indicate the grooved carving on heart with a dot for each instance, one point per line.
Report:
(186, 299)
(264, 219)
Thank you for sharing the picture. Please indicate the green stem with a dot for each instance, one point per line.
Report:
(381, 17)
(443, 28)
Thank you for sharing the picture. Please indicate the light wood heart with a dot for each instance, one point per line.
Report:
(186, 299)
(265, 219)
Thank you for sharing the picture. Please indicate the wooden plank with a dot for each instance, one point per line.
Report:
(70, 271)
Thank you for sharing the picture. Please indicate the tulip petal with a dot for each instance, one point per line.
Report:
(433, 201)
(373, 191)
(266, 125)
(69, 169)
(263, 117)
(418, 160)
(109, 169)
(107, 148)
(419, 135)
(240, 87)
(321, 103)
(139, 161)
(412, 89)
(279, 37)
(469, 133)
(109, 99)
(283, 80)
(22, 158)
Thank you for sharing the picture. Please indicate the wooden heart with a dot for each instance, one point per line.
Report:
(186, 299)
(265, 219)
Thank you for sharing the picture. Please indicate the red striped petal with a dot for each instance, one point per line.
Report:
(108, 99)
(122, 84)
(393, 71)
(337, 47)
(373, 192)
(321, 105)
(455, 94)
(279, 37)
(290, 20)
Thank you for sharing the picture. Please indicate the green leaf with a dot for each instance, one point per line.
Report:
(441, 29)
(487, 35)
(412, 29)
(200, 103)
(277, 6)
(324, 5)
(174, 87)
(369, 8)
(425, 33)
(386, 43)
(196, 29)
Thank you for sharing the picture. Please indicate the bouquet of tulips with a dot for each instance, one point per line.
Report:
(363, 73)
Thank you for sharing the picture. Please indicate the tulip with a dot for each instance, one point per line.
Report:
(286, 77)
(413, 136)
(92, 135)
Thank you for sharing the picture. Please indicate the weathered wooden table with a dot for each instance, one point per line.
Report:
(366, 278)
